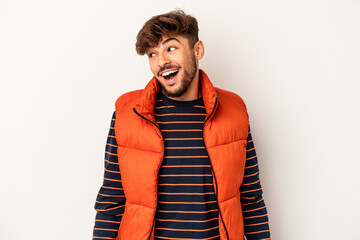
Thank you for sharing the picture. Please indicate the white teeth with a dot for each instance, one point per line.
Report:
(168, 73)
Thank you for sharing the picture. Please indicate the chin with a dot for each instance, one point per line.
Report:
(172, 92)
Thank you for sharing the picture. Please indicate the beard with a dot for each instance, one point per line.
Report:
(189, 75)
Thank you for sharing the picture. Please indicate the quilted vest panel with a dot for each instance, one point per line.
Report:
(225, 139)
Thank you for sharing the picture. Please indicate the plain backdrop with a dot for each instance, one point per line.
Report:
(64, 63)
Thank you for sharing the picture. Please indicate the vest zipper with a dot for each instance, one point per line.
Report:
(216, 186)
(157, 178)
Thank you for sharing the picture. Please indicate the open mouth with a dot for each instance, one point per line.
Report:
(170, 75)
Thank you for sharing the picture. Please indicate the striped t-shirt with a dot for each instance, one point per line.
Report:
(187, 206)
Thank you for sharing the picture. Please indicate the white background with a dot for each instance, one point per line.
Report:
(63, 64)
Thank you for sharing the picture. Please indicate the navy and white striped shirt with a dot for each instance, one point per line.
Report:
(187, 205)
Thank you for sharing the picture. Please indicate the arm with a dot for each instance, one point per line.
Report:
(256, 222)
(110, 200)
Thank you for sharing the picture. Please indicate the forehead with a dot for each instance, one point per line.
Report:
(166, 40)
(170, 39)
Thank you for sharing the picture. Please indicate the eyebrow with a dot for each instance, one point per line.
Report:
(168, 40)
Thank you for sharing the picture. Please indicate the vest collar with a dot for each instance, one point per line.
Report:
(146, 103)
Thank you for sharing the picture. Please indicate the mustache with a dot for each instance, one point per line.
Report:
(166, 67)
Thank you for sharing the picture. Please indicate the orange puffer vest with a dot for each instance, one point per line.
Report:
(141, 151)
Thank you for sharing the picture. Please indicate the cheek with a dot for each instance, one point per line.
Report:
(182, 60)
(153, 68)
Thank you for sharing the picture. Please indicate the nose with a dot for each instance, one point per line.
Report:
(163, 59)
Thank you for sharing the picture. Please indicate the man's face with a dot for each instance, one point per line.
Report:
(173, 64)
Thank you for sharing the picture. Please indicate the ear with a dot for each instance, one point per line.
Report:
(199, 50)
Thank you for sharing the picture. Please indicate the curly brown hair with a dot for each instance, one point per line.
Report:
(173, 23)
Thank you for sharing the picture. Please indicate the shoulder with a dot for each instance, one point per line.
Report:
(231, 114)
(230, 99)
(128, 99)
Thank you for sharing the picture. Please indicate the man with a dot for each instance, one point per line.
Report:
(180, 162)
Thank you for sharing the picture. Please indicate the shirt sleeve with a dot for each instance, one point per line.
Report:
(110, 201)
(256, 222)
